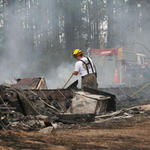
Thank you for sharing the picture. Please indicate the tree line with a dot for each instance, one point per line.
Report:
(51, 29)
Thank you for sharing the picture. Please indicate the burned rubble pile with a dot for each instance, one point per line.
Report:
(30, 106)
(125, 113)
(40, 109)
(112, 120)
(130, 96)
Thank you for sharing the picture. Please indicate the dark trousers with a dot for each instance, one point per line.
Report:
(89, 81)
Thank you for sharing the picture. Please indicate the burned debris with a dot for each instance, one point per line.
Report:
(34, 108)
(130, 96)
(30, 83)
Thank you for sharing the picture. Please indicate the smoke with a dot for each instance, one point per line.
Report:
(21, 57)
(128, 23)
(14, 60)
(24, 23)
(58, 77)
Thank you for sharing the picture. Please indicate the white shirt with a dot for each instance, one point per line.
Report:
(81, 68)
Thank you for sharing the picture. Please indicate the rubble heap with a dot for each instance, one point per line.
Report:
(35, 109)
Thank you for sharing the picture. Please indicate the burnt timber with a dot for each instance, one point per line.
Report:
(59, 99)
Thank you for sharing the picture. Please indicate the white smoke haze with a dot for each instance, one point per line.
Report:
(19, 60)
(14, 61)
(57, 78)
(128, 33)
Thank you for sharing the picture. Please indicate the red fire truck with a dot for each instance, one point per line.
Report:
(118, 65)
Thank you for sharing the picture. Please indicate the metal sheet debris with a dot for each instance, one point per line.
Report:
(30, 83)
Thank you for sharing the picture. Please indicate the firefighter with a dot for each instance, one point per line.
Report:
(86, 68)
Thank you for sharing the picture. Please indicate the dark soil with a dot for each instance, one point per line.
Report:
(121, 134)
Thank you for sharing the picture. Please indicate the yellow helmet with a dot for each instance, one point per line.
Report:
(77, 52)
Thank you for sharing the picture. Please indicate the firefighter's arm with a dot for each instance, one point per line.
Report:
(75, 73)
(77, 69)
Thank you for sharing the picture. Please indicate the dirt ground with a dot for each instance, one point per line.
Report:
(124, 134)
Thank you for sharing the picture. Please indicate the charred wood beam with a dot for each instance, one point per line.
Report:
(75, 118)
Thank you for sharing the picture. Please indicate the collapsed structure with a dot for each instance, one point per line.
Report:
(27, 106)
(36, 109)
